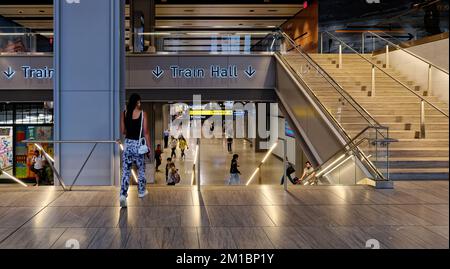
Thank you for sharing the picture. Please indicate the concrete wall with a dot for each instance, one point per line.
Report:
(416, 70)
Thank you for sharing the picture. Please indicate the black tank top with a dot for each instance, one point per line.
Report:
(133, 127)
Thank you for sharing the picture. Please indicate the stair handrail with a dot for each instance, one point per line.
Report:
(339, 89)
(351, 145)
(337, 124)
(389, 75)
(408, 52)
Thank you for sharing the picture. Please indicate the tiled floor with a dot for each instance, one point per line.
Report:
(215, 163)
(413, 215)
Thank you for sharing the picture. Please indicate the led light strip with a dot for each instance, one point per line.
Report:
(15, 179)
(262, 162)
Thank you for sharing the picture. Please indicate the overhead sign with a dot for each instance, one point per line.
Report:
(29, 72)
(213, 72)
(200, 72)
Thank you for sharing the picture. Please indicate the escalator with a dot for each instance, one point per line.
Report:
(340, 157)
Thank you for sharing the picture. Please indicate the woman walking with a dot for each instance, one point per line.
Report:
(182, 143)
(173, 147)
(234, 171)
(134, 127)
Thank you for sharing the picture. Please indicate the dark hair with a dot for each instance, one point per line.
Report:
(235, 156)
(132, 103)
(37, 151)
(169, 159)
(308, 162)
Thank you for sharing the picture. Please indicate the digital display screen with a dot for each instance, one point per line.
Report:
(288, 130)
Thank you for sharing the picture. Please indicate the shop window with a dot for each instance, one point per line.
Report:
(33, 114)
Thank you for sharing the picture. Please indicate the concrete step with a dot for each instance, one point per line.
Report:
(418, 152)
(398, 126)
(388, 99)
(411, 162)
(411, 143)
(400, 134)
(419, 174)
(383, 119)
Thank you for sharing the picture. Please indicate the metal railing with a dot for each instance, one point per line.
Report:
(51, 161)
(369, 120)
(375, 67)
(213, 42)
(353, 147)
(390, 43)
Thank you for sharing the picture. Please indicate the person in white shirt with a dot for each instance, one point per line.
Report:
(37, 166)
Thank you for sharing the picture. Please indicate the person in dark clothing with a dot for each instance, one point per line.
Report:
(230, 144)
(289, 171)
(166, 138)
(158, 153)
(234, 171)
(168, 164)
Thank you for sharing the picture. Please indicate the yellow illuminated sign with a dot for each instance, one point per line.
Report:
(211, 112)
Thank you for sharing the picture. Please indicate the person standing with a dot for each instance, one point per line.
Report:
(234, 171)
(182, 143)
(158, 153)
(230, 144)
(37, 166)
(134, 127)
(168, 164)
(173, 147)
(166, 138)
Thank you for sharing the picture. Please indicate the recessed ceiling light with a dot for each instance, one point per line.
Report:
(41, 11)
(20, 11)
(252, 10)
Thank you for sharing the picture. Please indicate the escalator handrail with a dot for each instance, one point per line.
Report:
(352, 146)
(389, 75)
(352, 101)
(409, 52)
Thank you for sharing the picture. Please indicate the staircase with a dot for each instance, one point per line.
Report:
(391, 105)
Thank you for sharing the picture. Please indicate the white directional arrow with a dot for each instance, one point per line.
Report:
(9, 74)
(157, 72)
(250, 72)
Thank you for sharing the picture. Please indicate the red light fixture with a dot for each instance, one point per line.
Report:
(305, 4)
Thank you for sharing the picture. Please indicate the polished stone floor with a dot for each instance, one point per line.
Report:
(215, 163)
(413, 215)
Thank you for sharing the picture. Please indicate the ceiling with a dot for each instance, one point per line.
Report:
(174, 16)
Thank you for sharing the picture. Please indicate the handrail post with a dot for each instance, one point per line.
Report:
(197, 164)
(429, 80)
(387, 56)
(363, 42)
(321, 43)
(422, 119)
(285, 165)
(373, 80)
(340, 55)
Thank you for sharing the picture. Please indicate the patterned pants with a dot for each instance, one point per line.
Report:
(130, 156)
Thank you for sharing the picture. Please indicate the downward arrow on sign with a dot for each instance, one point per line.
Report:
(9, 73)
(158, 72)
(250, 72)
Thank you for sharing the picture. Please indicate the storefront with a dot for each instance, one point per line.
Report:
(23, 121)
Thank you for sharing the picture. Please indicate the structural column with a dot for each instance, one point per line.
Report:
(89, 86)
